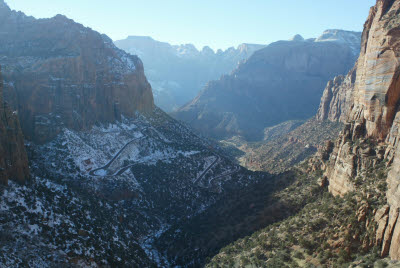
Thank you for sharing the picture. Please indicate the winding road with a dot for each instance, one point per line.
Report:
(223, 175)
(207, 169)
(93, 172)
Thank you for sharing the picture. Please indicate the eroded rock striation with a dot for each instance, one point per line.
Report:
(59, 73)
(337, 98)
(370, 106)
(13, 159)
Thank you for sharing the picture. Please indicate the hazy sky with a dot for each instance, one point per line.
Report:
(217, 23)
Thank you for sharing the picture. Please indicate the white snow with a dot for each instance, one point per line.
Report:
(101, 172)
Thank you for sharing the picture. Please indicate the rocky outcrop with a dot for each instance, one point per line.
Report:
(377, 93)
(281, 82)
(59, 73)
(369, 103)
(381, 218)
(13, 158)
(350, 157)
(372, 131)
(337, 98)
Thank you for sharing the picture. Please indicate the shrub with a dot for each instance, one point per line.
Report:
(381, 264)
(298, 255)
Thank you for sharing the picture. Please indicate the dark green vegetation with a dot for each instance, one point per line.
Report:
(45, 223)
(68, 216)
(328, 231)
(239, 214)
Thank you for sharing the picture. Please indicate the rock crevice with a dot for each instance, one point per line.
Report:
(13, 158)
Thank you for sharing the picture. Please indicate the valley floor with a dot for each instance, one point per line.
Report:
(283, 146)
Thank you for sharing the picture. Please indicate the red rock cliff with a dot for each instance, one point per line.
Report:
(337, 98)
(59, 74)
(372, 115)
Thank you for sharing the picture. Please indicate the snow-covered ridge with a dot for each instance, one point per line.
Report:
(339, 36)
(182, 50)
(352, 39)
(349, 38)
(109, 150)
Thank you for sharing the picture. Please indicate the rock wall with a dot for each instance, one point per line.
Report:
(337, 98)
(373, 119)
(377, 93)
(59, 73)
(370, 103)
(13, 159)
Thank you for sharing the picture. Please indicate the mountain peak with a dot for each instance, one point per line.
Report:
(350, 38)
(249, 47)
(187, 49)
(3, 5)
(207, 50)
(63, 19)
(297, 38)
(339, 35)
(149, 38)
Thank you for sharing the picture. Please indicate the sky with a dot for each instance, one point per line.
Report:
(216, 23)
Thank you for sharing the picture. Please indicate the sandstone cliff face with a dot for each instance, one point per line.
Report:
(337, 98)
(369, 90)
(13, 159)
(61, 74)
(373, 121)
(377, 91)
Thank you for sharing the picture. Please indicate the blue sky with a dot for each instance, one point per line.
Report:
(217, 23)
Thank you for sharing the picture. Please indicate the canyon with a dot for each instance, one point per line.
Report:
(109, 172)
(94, 174)
(359, 168)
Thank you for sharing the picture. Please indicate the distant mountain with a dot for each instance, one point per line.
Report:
(177, 73)
(281, 82)
(348, 38)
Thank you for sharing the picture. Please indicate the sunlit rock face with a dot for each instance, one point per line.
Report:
(371, 88)
(377, 87)
(337, 98)
(373, 119)
(59, 73)
(13, 159)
